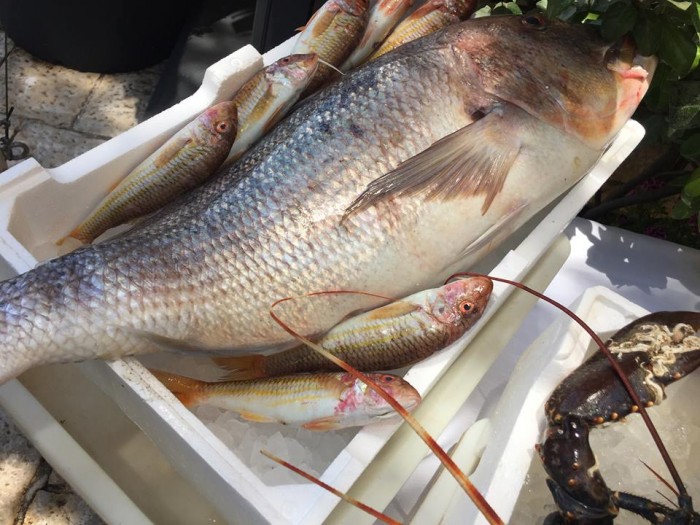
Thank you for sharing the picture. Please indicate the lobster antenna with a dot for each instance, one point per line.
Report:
(374, 512)
(660, 478)
(623, 377)
(464, 482)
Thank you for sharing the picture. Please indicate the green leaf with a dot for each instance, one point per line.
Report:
(659, 94)
(691, 193)
(514, 8)
(684, 106)
(618, 20)
(484, 11)
(557, 7)
(695, 15)
(507, 8)
(690, 148)
(646, 33)
(655, 127)
(677, 48)
(683, 6)
(680, 211)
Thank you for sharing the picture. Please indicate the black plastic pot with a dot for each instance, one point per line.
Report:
(96, 35)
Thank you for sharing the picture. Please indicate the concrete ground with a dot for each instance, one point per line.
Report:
(59, 113)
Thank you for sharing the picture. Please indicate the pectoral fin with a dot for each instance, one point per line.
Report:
(324, 424)
(170, 150)
(472, 161)
(393, 310)
(256, 418)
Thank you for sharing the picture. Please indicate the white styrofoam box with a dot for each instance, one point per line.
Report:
(518, 421)
(38, 207)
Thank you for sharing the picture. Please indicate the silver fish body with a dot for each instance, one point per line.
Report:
(309, 208)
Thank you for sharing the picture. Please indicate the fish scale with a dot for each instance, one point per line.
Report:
(275, 224)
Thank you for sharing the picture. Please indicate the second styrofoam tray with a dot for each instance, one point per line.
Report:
(518, 420)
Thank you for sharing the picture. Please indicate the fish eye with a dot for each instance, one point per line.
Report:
(535, 21)
(465, 307)
(388, 378)
(222, 127)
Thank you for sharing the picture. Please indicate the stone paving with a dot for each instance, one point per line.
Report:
(60, 113)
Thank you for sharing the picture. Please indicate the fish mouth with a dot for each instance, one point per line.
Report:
(623, 59)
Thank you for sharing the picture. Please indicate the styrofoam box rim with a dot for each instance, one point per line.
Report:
(191, 446)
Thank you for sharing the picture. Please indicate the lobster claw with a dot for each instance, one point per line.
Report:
(574, 479)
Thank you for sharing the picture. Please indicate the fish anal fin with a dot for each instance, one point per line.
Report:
(472, 161)
(256, 418)
(393, 310)
(324, 424)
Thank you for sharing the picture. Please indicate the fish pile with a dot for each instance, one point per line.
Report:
(263, 388)
(389, 179)
(341, 34)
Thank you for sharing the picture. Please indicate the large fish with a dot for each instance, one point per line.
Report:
(389, 181)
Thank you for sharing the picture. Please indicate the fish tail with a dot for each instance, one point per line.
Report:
(186, 389)
(242, 367)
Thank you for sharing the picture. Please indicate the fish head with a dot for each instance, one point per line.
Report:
(376, 407)
(458, 8)
(220, 121)
(293, 71)
(459, 304)
(563, 74)
(356, 8)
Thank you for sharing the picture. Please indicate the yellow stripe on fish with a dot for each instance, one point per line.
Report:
(314, 401)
